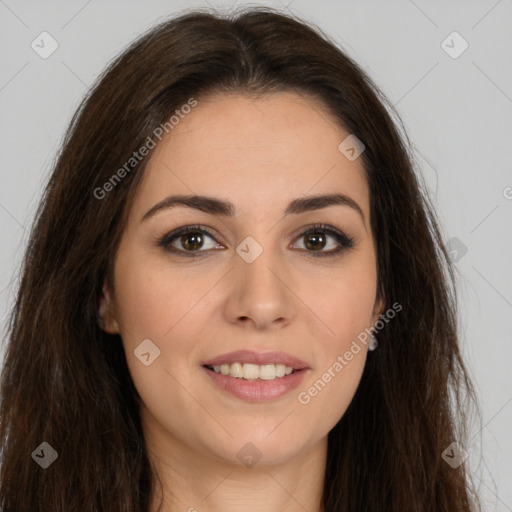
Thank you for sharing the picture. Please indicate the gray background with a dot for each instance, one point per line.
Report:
(457, 112)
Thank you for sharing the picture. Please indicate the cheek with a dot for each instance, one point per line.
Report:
(346, 305)
(152, 299)
(155, 303)
(329, 392)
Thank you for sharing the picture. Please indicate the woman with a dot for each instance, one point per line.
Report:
(236, 295)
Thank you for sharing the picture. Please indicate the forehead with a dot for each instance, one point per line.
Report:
(260, 151)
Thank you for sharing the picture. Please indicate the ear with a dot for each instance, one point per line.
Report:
(378, 309)
(106, 312)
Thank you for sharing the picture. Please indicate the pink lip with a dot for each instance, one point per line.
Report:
(257, 390)
(249, 357)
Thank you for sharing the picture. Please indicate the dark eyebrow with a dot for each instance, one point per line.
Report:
(217, 206)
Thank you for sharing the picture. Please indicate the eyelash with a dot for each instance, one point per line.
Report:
(343, 240)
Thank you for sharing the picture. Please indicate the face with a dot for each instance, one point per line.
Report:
(261, 278)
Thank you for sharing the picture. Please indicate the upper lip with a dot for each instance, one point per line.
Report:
(250, 357)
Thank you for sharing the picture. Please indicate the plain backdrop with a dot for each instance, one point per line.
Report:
(456, 104)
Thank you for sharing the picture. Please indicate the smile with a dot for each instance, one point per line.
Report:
(253, 371)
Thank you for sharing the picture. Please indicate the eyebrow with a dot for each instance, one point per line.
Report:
(216, 206)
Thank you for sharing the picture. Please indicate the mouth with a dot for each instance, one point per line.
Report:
(250, 365)
(256, 377)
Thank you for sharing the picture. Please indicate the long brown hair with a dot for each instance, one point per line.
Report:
(66, 382)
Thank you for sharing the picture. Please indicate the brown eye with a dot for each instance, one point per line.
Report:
(188, 239)
(317, 239)
(192, 240)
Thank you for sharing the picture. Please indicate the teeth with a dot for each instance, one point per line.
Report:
(236, 370)
(253, 371)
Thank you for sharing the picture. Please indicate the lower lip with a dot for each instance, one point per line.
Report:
(257, 390)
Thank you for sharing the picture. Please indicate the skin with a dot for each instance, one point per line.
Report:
(259, 154)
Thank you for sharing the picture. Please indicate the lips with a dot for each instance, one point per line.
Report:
(250, 357)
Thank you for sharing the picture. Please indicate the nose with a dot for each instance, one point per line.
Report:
(261, 293)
